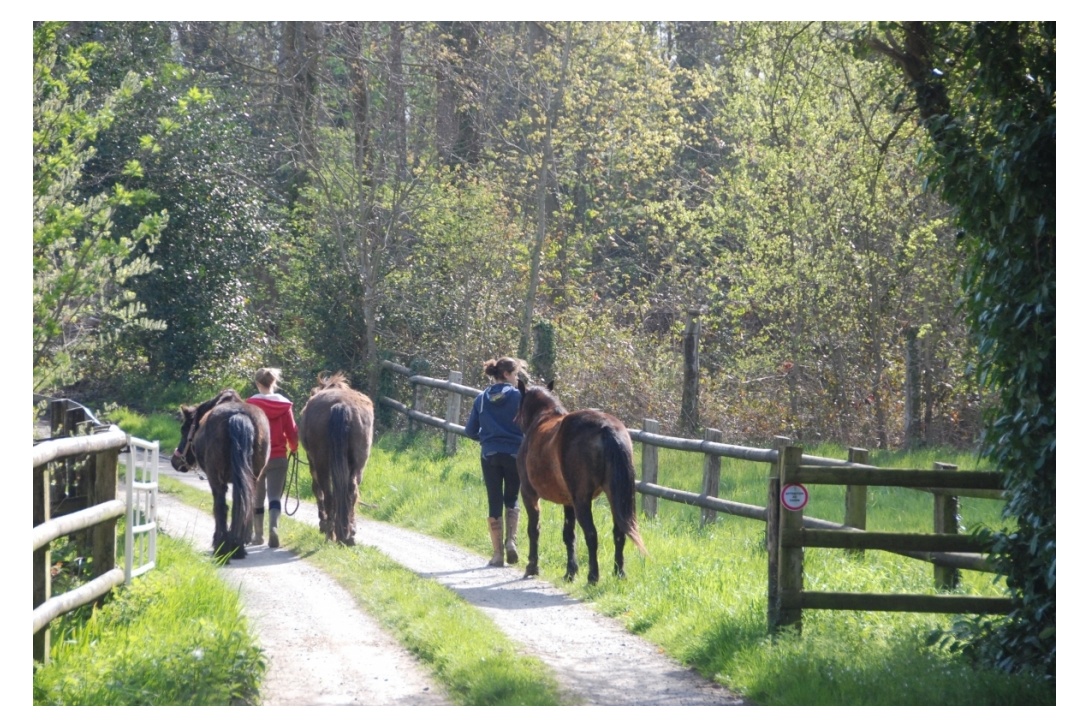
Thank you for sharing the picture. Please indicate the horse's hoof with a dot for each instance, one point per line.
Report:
(569, 576)
(348, 541)
(531, 571)
(592, 580)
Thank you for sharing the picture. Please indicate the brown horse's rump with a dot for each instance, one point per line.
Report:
(336, 428)
(229, 440)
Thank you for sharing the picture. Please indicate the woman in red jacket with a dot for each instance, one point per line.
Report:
(284, 435)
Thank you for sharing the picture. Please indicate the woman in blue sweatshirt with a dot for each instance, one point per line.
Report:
(492, 423)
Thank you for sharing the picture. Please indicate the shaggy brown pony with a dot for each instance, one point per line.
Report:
(570, 459)
(336, 430)
(229, 440)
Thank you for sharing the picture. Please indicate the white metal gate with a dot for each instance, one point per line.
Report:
(142, 478)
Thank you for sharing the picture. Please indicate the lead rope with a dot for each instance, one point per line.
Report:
(293, 479)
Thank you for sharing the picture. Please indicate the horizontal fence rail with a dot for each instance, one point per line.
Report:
(55, 449)
(915, 479)
(50, 530)
(87, 593)
(904, 602)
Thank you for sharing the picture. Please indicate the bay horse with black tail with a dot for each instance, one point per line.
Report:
(229, 440)
(570, 459)
(336, 428)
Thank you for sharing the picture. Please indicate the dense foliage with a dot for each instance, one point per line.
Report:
(85, 263)
(991, 114)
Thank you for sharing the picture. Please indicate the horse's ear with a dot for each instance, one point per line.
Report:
(549, 385)
(522, 387)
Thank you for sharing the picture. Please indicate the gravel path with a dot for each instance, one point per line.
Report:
(322, 650)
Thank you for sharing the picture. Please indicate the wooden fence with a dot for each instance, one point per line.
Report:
(75, 494)
(788, 531)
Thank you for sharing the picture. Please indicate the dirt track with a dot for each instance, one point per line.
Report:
(322, 650)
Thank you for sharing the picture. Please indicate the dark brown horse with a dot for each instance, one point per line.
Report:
(229, 440)
(570, 459)
(336, 429)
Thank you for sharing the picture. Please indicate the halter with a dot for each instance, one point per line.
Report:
(189, 445)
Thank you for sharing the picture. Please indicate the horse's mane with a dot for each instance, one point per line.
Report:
(203, 408)
(539, 399)
(331, 381)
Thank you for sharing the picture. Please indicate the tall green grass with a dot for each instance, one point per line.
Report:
(175, 636)
(701, 594)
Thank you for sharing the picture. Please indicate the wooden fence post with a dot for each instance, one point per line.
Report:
(104, 535)
(415, 405)
(946, 523)
(690, 388)
(712, 466)
(42, 580)
(650, 467)
(912, 387)
(790, 565)
(454, 411)
(855, 498)
(772, 535)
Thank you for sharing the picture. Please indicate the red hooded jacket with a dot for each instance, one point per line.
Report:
(282, 430)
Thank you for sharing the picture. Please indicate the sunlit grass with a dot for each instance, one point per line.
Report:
(701, 594)
(175, 636)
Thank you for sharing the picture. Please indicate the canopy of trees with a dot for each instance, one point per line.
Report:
(210, 197)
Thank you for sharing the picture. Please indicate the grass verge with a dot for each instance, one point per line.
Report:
(174, 637)
(475, 662)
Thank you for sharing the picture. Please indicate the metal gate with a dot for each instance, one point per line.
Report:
(142, 480)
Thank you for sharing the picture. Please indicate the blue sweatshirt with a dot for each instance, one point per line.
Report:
(492, 420)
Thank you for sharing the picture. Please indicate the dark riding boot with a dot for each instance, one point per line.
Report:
(274, 515)
(512, 522)
(495, 529)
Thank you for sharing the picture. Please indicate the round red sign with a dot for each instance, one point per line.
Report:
(794, 496)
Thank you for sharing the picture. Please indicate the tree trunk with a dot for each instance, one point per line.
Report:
(912, 388)
(553, 100)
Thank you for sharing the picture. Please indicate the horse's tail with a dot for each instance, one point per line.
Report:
(240, 431)
(341, 422)
(622, 485)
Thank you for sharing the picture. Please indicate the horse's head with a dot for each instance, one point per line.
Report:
(534, 401)
(183, 459)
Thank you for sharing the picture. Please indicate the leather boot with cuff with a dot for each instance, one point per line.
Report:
(512, 522)
(495, 529)
(274, 516)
